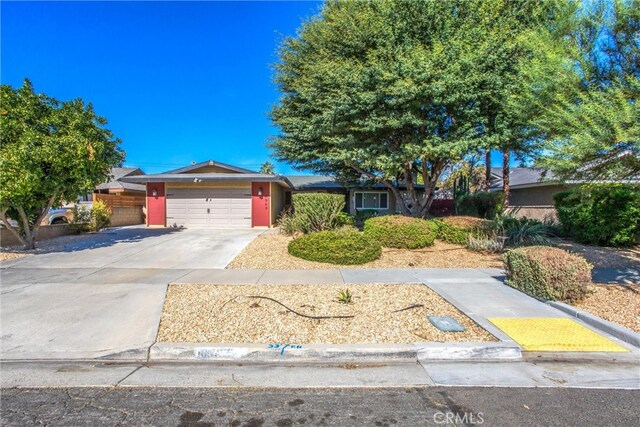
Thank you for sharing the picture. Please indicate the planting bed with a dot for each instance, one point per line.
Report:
(377, 314)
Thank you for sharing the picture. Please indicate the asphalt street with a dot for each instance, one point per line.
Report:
(199, 407)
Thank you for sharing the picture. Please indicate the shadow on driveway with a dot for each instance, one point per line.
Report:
(100, 239)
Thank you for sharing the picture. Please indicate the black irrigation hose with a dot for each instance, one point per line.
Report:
(312, 317)
(408, 308)
(300, 314)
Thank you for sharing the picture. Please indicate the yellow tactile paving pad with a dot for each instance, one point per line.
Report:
(554, 334)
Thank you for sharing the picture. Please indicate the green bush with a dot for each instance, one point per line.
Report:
(363, 215)
(81, 218)
(315, 212)
(346, 246)
(94, 219)
(516, 232)
(100, 215)
(548, 273)
(606, 215)
(485, 204)
(397, 231)
(451, 233)
(458, 229)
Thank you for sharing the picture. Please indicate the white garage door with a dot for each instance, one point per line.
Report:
(209, 207)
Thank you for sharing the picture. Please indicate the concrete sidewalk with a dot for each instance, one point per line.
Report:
(89, 313)
(484, 374)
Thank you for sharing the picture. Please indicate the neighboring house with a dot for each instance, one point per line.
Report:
(116, 186)
(216, 195)
(126, 200)
(532, 191)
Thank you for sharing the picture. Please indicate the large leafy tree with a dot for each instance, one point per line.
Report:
(51, 151)
(593, 124)
(518, 36)
(380, 91)
(396, 91)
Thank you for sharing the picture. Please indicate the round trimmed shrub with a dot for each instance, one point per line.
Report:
(549, 273)
(345, 246)
(397, 231)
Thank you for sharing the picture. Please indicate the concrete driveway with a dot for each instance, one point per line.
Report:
(102, 296)
(140, 247)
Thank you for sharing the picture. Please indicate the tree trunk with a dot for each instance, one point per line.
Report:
(506, 159)
(487, 170)
(31, 231)
(11, 228)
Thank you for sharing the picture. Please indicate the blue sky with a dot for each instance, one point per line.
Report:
(177, 81)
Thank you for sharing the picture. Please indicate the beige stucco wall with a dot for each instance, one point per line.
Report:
(277, 202)
(535, 196)
(534, 202)
(45, 232)
(240, 184)
(126, 216)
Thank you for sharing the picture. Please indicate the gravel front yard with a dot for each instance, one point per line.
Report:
(603, 257)
(7, 256)
(269, 251)
(227, 314)
(617, 304)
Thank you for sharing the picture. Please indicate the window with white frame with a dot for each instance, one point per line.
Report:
(371, 200)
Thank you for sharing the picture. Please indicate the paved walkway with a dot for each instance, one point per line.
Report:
(82, 313)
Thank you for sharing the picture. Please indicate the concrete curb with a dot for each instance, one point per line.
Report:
(345, 353)
(468, 351)
(620, 332)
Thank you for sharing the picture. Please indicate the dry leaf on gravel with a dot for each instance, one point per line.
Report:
(226, 314)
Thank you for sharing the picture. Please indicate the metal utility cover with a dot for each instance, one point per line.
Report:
(446, 323)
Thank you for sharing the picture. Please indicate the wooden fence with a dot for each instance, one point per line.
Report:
(117, 201)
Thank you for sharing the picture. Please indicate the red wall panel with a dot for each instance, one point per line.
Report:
(156, 207)
(260, 205)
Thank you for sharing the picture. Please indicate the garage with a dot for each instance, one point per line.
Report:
(209, 207)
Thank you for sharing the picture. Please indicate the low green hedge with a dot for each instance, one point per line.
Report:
(485, 204)
(397, 231)
(547, 272)
(344, 246)
(606, 214)
(457, 229)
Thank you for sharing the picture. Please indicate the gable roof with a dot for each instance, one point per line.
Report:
(314, 182)
(207, 177)
(209, 163)
(524, 177)
(117, 174)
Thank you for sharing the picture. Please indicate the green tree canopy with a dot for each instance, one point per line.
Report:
(592, 125)
(51, 151)
(389, 90)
